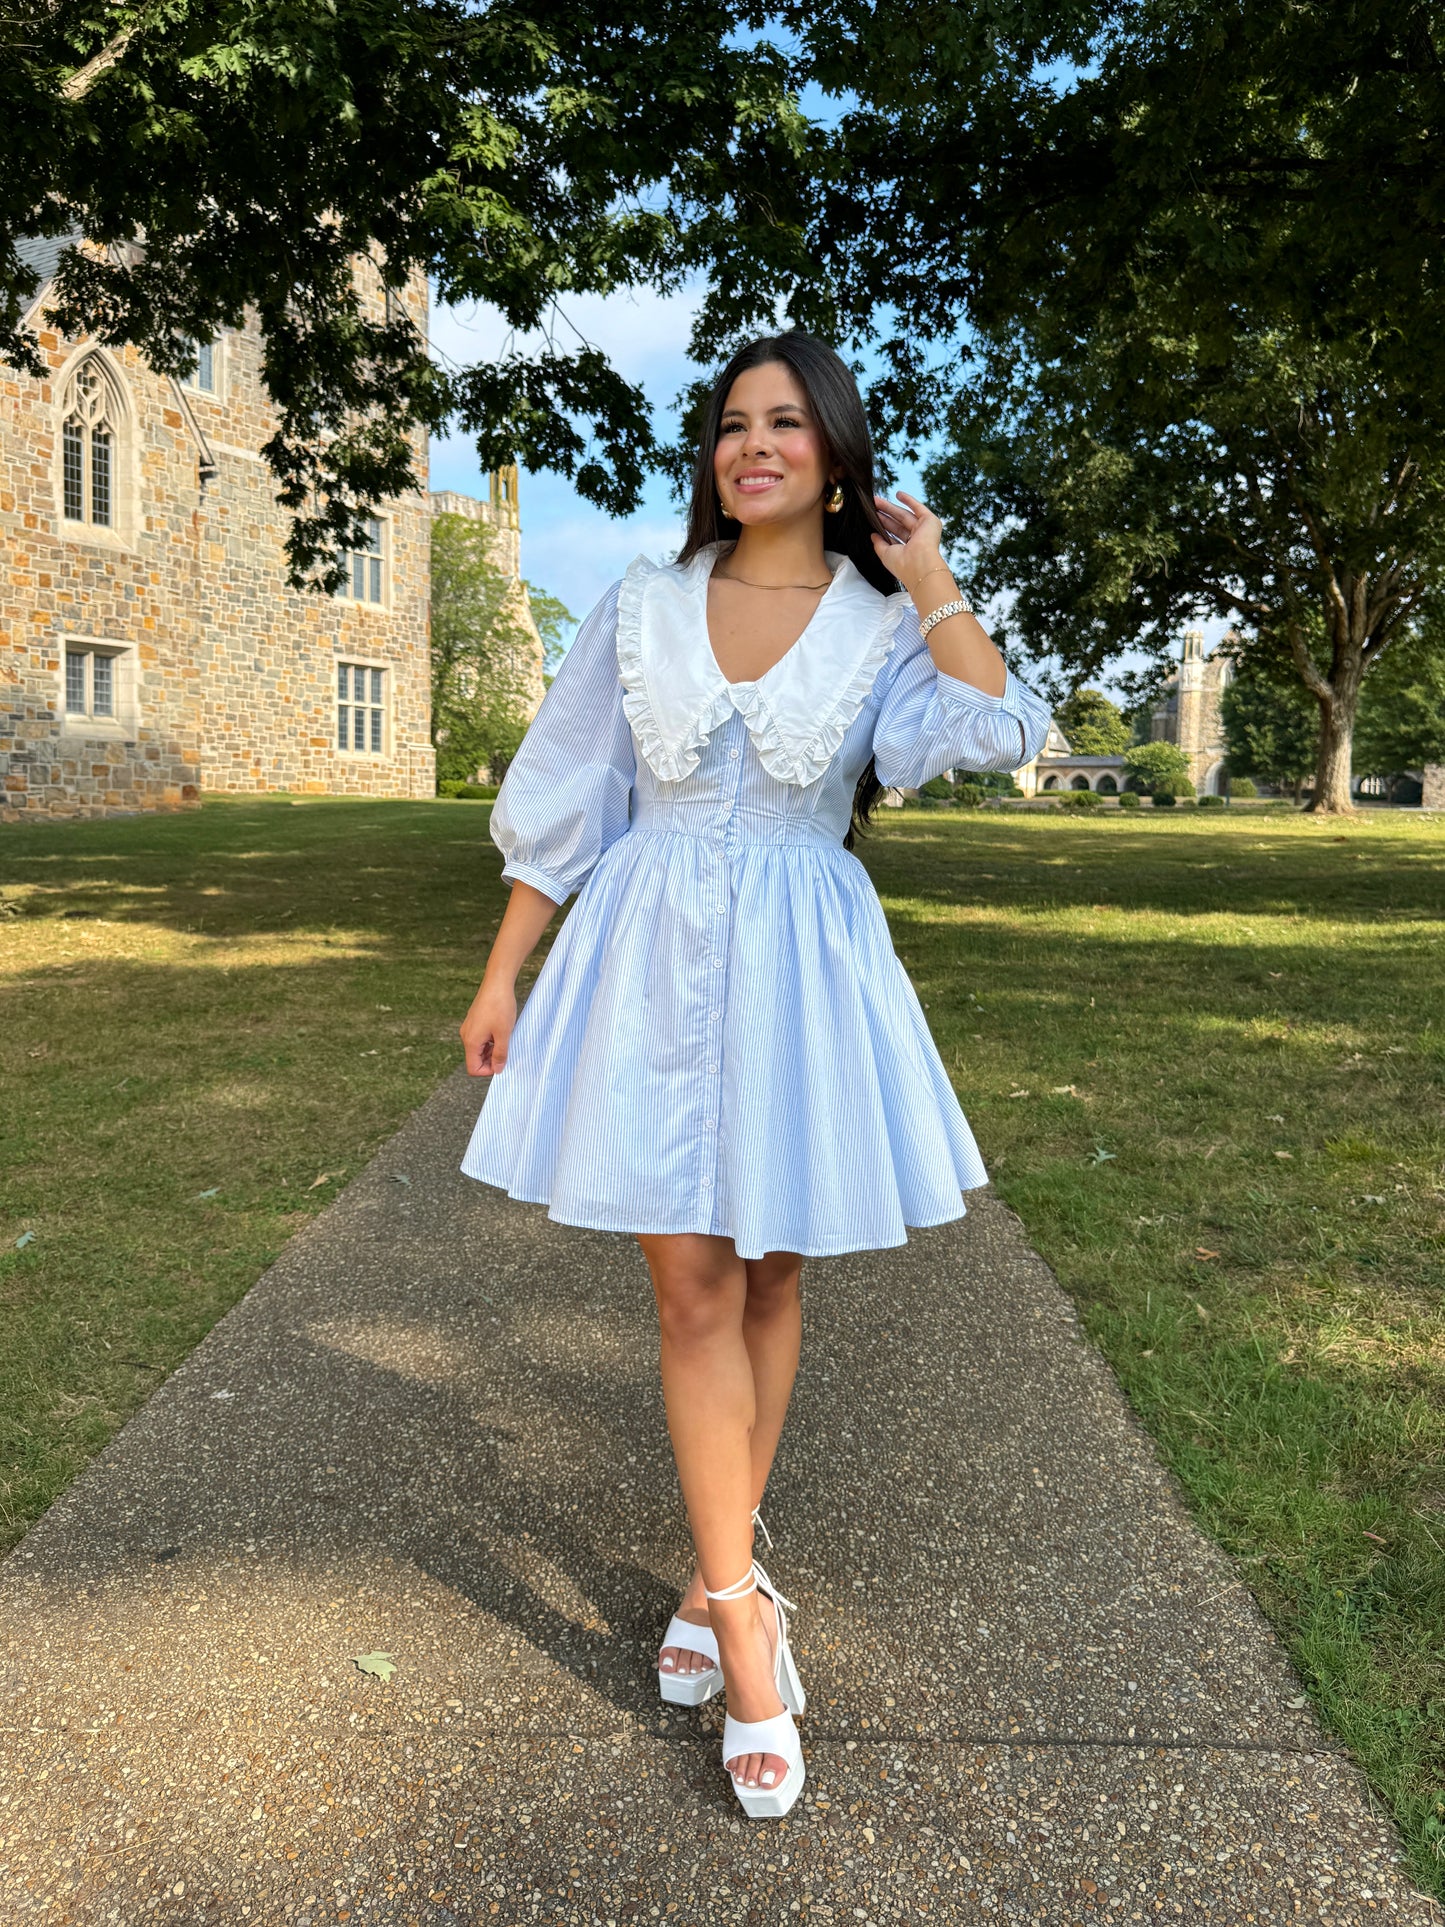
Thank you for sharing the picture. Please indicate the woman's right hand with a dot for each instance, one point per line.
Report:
(486, 1030)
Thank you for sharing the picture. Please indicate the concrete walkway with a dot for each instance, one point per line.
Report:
(434, 1429)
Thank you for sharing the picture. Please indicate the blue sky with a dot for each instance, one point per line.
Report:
(569, 547)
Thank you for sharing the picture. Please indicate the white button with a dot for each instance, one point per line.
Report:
(717, 963)
(708, 1125)
(707, 1184)
(734, 755)
(713, 1016)
(721, 909)
(712, 1070)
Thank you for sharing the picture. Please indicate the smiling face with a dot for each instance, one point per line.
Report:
(770, 463)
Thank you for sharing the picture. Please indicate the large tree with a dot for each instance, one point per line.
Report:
(1402, 715)
(226, 157)
(1093, 725)
(483, 650)
(1270, 725)
(1200, 249)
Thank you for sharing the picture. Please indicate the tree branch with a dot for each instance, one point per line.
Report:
(79, 84)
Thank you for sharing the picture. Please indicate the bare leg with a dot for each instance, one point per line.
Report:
(772, 1333)
(708, 1385)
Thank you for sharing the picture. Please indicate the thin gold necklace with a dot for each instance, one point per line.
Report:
(813, 586)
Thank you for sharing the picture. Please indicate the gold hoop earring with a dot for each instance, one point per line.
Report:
(833, 501)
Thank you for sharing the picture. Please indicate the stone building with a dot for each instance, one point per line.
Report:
(1187, 714)
(150, 647)
(1058, 767)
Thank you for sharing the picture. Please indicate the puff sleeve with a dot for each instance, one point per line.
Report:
(568, 790)
(928, 721)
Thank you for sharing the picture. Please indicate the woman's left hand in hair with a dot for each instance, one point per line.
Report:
(918, 534)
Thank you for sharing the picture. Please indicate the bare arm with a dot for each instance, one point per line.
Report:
(486, 1030)
(959, 644)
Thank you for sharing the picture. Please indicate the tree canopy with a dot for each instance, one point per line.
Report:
(1200, 249)
(1169, 278)
(1093, 725)
(224, 159)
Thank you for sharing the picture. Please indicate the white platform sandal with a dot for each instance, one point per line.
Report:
(776, 1735)
(696, 1688)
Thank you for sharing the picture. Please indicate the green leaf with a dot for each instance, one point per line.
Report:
(380, 1665)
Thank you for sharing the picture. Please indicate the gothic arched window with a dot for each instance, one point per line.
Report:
(89, 435)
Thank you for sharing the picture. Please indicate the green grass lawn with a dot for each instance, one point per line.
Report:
(1203, 1054)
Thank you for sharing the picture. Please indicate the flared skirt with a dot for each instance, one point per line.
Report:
(722, 1039)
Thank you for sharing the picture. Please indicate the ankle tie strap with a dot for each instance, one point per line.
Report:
(739, 1589)
(758, 1522)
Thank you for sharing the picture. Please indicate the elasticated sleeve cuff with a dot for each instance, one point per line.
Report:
(539, 880)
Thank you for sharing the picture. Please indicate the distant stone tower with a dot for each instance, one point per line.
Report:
(1188, 713)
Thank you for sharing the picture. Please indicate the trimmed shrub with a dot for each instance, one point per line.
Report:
(938, 789)
(1128, 799)
(1242, 786)
(1211, 802)
(468, 792)
(1164, 799)
(1172, 789)
(970, 795)
(1081, 800)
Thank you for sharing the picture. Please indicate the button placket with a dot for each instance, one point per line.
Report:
(717, 884)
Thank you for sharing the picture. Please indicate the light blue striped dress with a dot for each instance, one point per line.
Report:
(722, 1039)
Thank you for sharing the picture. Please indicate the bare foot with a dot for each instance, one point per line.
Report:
(749, 1638)
(682, 1659)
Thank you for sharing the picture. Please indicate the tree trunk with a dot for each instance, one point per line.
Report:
(1339, 701)
(1332, 771)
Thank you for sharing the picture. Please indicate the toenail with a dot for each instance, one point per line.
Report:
(769, 1777)
(667, 1662)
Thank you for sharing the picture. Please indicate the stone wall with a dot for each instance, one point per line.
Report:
(224, 677)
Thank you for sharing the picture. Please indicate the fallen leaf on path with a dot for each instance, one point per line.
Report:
(401, 1177)
(1276, 1117)
(1377, 1539)
(1100, 1156)
(214, 1192)
(1204, 1315)
(1063, 1090)
(25, 1238)
(381, 1665)
(325, 1178)
(1284, 1154)
(1018, 1093)
(1201, 1252)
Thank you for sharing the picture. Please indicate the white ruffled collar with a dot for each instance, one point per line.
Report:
(797, 714)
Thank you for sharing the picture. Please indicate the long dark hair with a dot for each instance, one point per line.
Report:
(837, 408)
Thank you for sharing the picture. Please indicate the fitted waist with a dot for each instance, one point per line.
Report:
(717, 824)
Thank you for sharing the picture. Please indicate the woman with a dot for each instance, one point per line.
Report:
(722, 1055)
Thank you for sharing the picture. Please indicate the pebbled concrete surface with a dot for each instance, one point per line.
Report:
(434, 1429)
